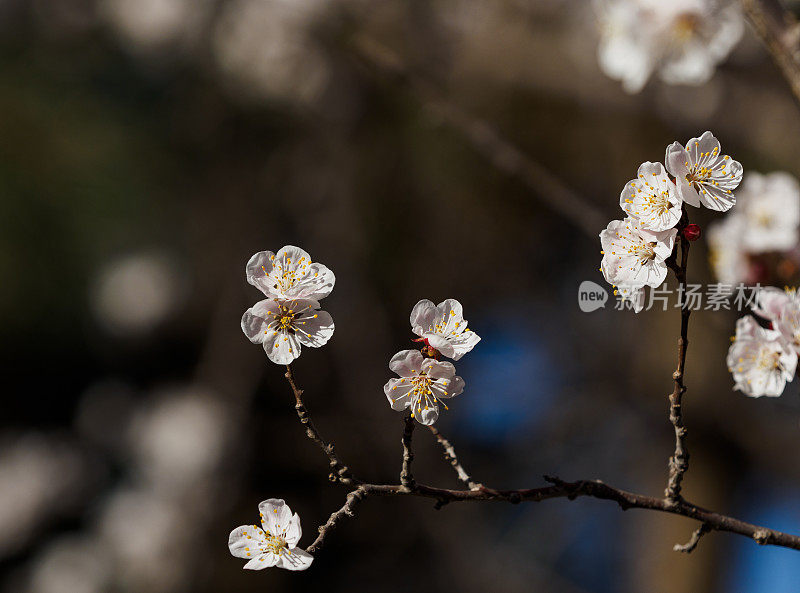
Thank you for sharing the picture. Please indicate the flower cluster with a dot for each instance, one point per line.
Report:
(759, 242)
(683, 40)
(763, 360)
(272, 544)
(635, 249)
(425, 381)
(289, 317)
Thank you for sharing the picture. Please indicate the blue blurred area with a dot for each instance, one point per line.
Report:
(766, 568)
(511, 378)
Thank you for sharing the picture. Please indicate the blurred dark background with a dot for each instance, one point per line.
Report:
(150, 147)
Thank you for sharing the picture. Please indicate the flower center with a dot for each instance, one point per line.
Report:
(422, 394)
(685, 26)
(645, 252)
(698, 174)
(659, 202)
(768, 360)
(276, 544)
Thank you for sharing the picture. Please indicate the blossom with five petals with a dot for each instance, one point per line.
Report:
(759, 360)
(272, 544)
(283, 327)
(423, 384)
(289, 274)
(703, 174)
(652, 198)
(443, 327)
(634, 257)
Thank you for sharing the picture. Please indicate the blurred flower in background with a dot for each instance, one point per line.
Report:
(757, 241)
(681, 40)
(265, 49)
(134, 294)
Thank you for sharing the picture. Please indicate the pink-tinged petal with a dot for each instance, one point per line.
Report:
(440, 343)
(314, 328)
(257, 271)
(281, 347)
(406, 363)
(245, 541)
(257, 318)
(677, 160)
(687, 192)
(295, 559)
(770, 302)
(317, 283)
(423, 316)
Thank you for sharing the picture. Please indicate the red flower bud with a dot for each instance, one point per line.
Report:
(692, 232)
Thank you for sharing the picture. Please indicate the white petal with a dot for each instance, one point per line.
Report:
(677, 161)
(275, 516)
(293, 531)
(397, 392)
(245, 541)
(281, 347)
(406, 363)
(256, 319)
(314, 328)
(265, 560)
(423, 316)
(258, 270)
(295, 559)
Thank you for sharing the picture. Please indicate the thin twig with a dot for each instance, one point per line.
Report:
(779, 31)
(559, 489)
(679, 462)
(339, 471)
(353, 498)
(485, 139)
(572, 490)
(689, 546)
(450, 456)
(406, 477)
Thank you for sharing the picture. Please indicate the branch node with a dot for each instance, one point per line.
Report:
(689, 546)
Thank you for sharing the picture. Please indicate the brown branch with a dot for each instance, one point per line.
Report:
(689, 546)
(779, 31)
(339, 471)
(559, 489)
(485, 139)
(569, 490)
(679, 462)
(406, 478)
(452, 459)
(353, 498)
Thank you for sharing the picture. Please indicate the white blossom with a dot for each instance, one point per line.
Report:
(728, 259)
(284, 326)
(782, 308)
(272, 544)
(683, 40)
(423, 384)
(704, 176)
(651, 198)
(443, 327)
(634, 257)
(289, 274)
(770, 207)
(759, 359)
